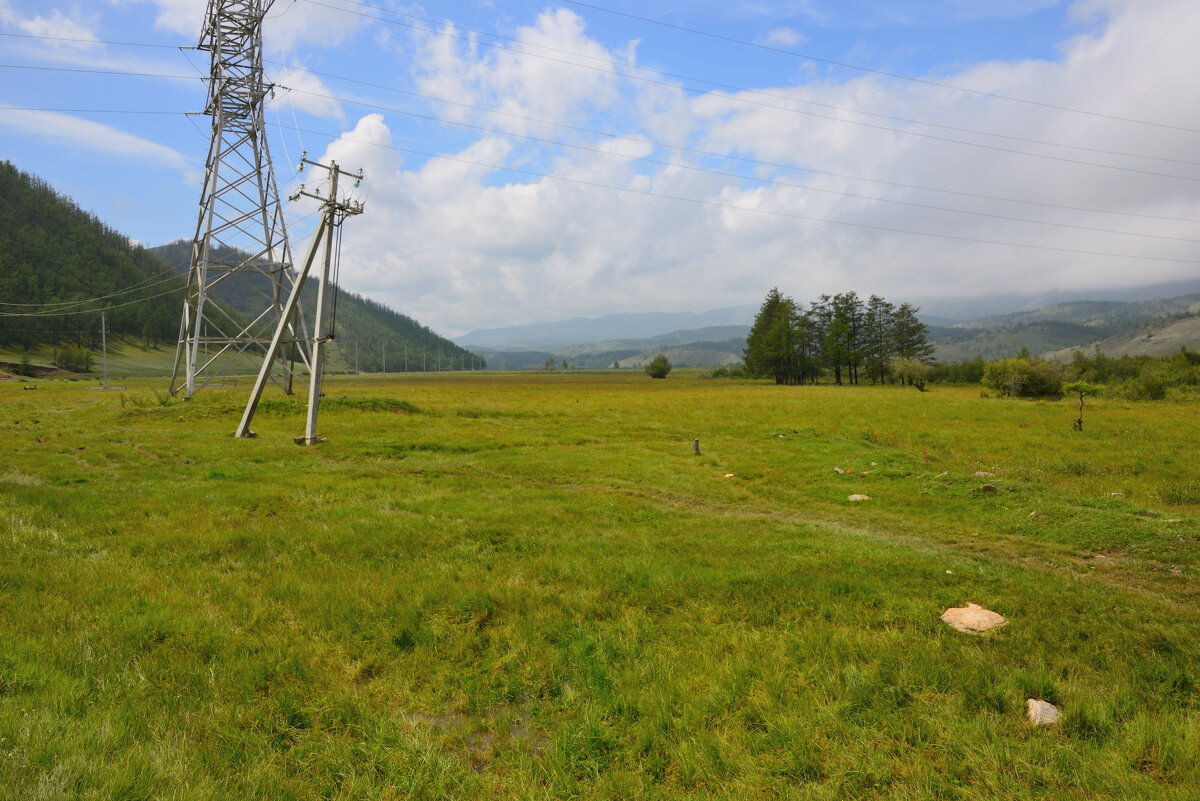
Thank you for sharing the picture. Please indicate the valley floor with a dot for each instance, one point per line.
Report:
(529, 586)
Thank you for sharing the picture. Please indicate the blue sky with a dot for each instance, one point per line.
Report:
(536, 161)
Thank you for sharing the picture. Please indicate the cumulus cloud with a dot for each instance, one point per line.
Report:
(306, 92)
(534, 80)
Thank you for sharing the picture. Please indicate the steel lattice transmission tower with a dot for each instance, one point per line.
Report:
(240, 249)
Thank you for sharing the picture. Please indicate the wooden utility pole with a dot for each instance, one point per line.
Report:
(334, 212)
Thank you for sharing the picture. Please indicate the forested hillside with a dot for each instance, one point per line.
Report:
(376, 332)
(60, 267)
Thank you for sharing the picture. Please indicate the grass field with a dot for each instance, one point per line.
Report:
(527, 586)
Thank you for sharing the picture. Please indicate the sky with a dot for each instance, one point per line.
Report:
(529, 162)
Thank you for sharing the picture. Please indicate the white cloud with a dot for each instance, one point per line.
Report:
(180, 16)
(535, 83)
(55, 26)
(93, 136)
(785, 37)
(304, 91)
(462, 246)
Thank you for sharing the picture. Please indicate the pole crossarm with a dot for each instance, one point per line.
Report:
(333, 213)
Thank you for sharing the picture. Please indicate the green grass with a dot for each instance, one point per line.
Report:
(527, 586)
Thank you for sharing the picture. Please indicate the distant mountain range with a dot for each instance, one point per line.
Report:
(610, 327)
(630, 340)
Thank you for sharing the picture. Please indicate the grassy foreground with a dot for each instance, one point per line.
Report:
(527, 586)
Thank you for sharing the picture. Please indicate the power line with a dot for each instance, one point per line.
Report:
(82, 70)
(739, 176)
(833, 107)
(745, 159)
(998, 148)
(741, 90)
(884, 73)
(89, 311)
(734, 207)
(709, 171)
(46, 109)
(88, 41)
(145, 283)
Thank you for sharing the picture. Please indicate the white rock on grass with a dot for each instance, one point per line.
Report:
(972, 619)
(858, 498)
(1041, 713)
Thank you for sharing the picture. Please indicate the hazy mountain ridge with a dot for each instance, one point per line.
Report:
(1058, 328)
(606, 328)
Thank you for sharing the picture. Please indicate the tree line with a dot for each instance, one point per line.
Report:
(839, 336)
(54, 257)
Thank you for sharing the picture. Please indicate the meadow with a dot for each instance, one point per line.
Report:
(527, 586)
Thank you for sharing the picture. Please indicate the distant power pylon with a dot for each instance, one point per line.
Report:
(240, 250)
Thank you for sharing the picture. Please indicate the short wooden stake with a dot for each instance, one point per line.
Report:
(696, 447)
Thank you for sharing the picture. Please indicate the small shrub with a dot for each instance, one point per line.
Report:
(73, 360)
(1177, 494)
(912, 372)
(25, 368)
(1024, 378)
(659, 366)
(1150, 384)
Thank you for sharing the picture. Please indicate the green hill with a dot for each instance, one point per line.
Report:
(1060, 327)
(55, 258)
(61, 267)
(366, 332)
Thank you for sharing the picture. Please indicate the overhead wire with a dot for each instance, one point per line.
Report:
(696, 168)
(735, 207)
(160, 277)
(742, 177)
(734, 40)
(88, 311)
(971, 144)
(739, 176)
(885, 73)
(741, 91)
(726, 156)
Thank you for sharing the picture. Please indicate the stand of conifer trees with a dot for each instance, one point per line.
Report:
(838, 336)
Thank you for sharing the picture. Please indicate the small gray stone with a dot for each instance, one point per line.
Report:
(988, 488)
(984, 474)
(1041, 713)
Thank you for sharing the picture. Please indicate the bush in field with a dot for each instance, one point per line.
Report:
(1024, 378)
(913, 372)
(73, 360)
(727, 372)
(658, 367)
(1139, 377)
(967, 371)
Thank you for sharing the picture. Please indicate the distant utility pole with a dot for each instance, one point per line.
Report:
(333, 214)
(104, 347)
(240, 238)
(104, 353)
(385, 359)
